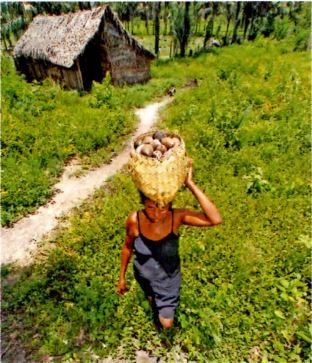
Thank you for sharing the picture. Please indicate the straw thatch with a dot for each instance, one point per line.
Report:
(61, 39)
(78, 48)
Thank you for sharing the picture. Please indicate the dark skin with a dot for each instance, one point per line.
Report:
(156, 224)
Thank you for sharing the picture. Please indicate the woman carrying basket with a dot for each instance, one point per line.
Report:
(152, 234)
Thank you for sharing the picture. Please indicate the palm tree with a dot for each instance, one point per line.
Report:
(229, 15)
(123, 12)
(180, 22)
(186, 28)
(166, 14)
(236, 22)
(214, 10)
(156, 26)
(84, 5)
(248, 12)
(196, 16)
(132, 6)
(146, 15)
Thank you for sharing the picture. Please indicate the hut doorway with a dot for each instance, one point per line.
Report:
(91, 66)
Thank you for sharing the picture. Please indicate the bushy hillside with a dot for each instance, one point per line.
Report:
(245, 283)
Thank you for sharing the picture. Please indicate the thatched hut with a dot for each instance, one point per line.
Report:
(77, 48)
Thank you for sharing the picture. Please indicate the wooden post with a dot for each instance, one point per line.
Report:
(79, 76)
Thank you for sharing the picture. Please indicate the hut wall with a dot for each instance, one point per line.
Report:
(39, 70)
(126, 64)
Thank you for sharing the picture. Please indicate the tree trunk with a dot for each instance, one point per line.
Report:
(84, 5)
(227, 27)
(186, 28)
(9, 40)
(156, 26)
(251, 27)
(166, 5)
(209, 30)
(248, 13)
(5, 44)
(146, 17)
(132, 21)
(238, 6)
(247, 21)
(195, 17)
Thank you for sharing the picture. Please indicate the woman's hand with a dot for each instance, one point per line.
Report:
(211, 216)
(121, 287)
(189, 177)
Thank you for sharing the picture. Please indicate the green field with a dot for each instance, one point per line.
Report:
(245, 283)
(44, 126)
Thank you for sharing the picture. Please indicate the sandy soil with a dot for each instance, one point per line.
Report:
(21, 240)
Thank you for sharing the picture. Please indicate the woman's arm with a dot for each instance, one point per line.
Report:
(210, 217)
(126, 253)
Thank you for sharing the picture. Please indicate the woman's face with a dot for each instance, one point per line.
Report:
(155, 213)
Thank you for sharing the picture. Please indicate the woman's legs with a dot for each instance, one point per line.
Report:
(166, 323)
(163, 297)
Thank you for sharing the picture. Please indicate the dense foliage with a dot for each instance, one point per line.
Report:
(245, 283)
(43, 126)
(228, 22)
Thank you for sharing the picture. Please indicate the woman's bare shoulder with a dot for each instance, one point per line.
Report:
(132, 224)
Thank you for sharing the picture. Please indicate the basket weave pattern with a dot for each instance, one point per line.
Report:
(159, 179)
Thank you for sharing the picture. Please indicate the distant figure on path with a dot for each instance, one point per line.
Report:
(152, 233)
(171, 92)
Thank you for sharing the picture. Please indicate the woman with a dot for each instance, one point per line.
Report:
(152, 234)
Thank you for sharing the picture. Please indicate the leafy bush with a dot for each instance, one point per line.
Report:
(281, 28)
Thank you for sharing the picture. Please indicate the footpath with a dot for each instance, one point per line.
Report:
(21, 240)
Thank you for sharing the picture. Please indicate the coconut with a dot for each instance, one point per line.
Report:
(138, 142)
(147, 150)
(162, 148)
(139, 148)
(168, 142)
(155, 143)
(148, 140)
(159, 135)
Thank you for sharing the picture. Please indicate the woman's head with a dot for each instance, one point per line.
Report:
(154, 212)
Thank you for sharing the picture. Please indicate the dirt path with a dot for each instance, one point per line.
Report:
(19, 241)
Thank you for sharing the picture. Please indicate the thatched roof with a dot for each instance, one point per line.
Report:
(61, 39)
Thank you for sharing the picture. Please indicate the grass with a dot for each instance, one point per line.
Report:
(246, 282)
(44, 126)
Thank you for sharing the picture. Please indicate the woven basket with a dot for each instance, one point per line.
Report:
(159, 179)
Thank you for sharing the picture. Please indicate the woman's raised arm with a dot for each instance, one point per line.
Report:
(211, 216)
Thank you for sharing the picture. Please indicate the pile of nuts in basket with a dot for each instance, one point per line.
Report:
(156, 145)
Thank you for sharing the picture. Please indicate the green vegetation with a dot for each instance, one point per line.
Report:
(245, 283)
(44, 126)
(229, 22)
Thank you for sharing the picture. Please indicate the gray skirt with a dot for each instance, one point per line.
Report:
(156, 281)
